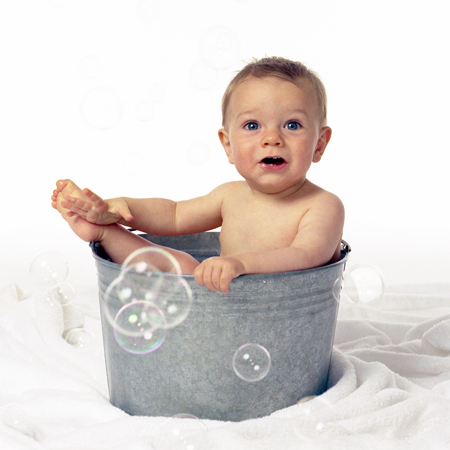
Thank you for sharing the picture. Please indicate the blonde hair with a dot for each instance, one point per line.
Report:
(283, 68)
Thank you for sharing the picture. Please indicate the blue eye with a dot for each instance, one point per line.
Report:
(251, 126)
(293, 125)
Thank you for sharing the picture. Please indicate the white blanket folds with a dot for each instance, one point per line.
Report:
(389, 384)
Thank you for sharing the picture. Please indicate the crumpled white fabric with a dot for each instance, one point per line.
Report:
(389, 385)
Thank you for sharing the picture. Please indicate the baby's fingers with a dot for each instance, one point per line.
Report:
(76, 205)
(210, 274)
(203, 275)
(96, 200)
(125, 213)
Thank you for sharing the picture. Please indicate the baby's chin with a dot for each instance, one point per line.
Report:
(276, 189)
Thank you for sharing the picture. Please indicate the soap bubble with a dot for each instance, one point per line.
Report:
(204, 76)
(65, 293)
(313, 419)
(101, 108)
(168, 291)
(89, 66)
(197, 153)
(145, 111)
(219, 47)
(139, 327)
(81, 339)
(363, 283)
(251, 362)
(147, 10)
(13, 415)
(156, 93)
(181, 432)
(49, 268)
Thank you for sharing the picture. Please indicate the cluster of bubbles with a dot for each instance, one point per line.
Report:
(143, 302)
(50, 270)
(362, 283)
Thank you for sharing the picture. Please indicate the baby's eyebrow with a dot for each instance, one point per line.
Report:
(300, 111)
(247, 112)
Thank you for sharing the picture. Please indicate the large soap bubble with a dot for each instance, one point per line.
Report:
(49, 269)
(363, 283)
(251, 362)
(313, 420)
(139, 327)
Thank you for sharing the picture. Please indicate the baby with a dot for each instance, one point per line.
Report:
(275, 220)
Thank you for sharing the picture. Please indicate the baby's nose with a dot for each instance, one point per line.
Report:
(272, 137)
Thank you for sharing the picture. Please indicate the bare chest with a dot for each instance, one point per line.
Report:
(253, 227)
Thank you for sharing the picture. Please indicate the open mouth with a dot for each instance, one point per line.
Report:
(273, 161)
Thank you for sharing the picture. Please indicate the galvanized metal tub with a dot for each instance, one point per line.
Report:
(292, 315)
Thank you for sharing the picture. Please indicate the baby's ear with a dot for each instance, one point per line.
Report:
(225, 141)
(322, 142)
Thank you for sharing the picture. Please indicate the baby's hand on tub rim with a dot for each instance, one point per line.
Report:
(217, 272)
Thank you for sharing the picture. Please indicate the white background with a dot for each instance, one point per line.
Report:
(385, 65)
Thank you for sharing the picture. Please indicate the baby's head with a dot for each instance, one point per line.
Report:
(292, 71)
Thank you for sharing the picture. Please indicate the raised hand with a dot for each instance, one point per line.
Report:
(88, 205)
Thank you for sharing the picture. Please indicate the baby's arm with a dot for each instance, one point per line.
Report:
(317, 242)
(151, 215)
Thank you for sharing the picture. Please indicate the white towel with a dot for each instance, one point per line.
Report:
(389, 387)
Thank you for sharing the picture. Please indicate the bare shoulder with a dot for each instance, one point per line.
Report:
(319, 197)
(228, 190)
(321, 227)
(324, 207)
